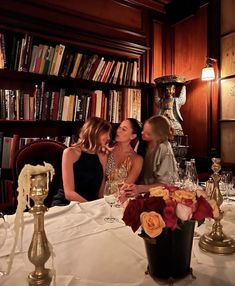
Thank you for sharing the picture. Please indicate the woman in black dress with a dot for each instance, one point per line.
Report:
(83, 164)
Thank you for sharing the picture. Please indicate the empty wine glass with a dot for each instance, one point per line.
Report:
(227, 181)
(3, 235)
(110, 192)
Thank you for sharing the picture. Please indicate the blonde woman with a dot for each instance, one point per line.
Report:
(159, 162)
(83, 164)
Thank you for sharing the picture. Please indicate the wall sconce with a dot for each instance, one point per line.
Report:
(208, 72)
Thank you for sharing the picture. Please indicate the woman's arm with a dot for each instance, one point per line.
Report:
(135, 169)
(70, 155)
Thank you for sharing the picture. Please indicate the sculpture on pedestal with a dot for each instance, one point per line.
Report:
(168, 103)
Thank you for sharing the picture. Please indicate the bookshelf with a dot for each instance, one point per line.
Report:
(29, 60)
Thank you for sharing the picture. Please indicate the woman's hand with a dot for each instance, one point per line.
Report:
(129, 190)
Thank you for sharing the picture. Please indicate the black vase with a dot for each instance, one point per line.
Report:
(169, 254)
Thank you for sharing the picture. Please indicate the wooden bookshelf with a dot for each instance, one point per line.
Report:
(121, 71)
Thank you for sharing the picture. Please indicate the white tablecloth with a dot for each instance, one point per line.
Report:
(91, 252)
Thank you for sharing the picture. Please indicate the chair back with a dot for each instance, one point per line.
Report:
(37, 152)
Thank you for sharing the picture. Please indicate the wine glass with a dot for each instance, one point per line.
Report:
(110, 191)
(3, 235)
(121, 176)
(227, 181)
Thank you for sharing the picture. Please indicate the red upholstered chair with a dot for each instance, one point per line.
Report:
(35, 153)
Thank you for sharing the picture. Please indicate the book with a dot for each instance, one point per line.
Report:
(38, 59)
(26, 105)
(71, 107)
(6, 151)
(61, 103)
(1, 146)
(3, 61)
(90, 63)
(99, 94)
(65, 109)
(58, 60)
(33, 58)
(76, 65)
(54, 105)
(96, 73)
(14, 148)
(43, 58)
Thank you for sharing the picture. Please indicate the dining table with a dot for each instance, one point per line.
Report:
(88, 251)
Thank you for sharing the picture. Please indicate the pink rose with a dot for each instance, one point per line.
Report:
(184, 212)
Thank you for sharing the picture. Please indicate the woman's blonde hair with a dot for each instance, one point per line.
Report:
(161, 127)
(90, 133)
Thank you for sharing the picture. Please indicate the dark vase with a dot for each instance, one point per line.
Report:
(169, 254)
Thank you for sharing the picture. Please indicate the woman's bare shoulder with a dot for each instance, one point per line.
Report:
(137, 158)
(72, 152)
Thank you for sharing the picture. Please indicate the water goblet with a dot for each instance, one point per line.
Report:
(110, 191)
(3, 235)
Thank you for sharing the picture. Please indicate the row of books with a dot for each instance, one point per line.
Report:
(10, 145)
(19, 53)
(113, 105)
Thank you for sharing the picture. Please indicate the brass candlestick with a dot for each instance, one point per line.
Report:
(39, 251)
(216, 241)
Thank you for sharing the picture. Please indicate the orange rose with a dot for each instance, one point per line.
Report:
(152, 223)
(181, 195)
(159, 192)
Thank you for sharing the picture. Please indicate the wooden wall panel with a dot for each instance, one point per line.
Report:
(103, 10)
(195, 114)
(190, 45)
(227, 105)
(227, 16)
(104, 18)
(228, 55)
(157, 57)
(228, 142)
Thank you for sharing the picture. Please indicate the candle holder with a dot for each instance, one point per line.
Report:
(216, 241)
(39, 251)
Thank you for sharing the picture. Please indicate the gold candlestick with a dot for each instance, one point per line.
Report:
(39, 251)
(216, 241)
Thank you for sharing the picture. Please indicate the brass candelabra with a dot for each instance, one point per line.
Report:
(216, 241)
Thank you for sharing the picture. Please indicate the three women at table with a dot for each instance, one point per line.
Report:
(159, 163)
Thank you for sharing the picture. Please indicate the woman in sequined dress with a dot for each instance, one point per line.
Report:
(124, 163)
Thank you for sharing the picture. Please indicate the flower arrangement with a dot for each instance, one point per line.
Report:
(168, 207)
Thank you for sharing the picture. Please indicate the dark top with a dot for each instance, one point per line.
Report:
(88, 175)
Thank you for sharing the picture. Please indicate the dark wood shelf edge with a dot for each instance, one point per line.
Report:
(64, 81)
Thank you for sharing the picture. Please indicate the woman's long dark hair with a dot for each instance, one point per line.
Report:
(137, 129)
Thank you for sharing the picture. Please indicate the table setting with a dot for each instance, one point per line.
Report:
(85, 249)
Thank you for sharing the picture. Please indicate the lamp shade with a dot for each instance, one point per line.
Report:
(208, 73)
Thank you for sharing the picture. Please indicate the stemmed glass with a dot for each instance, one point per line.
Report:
(110, 191)
(3, 235)
(227, 182)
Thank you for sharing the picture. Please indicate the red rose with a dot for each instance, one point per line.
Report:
(169, 214)
(156, 204)
(132, 213)
(203, 209)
